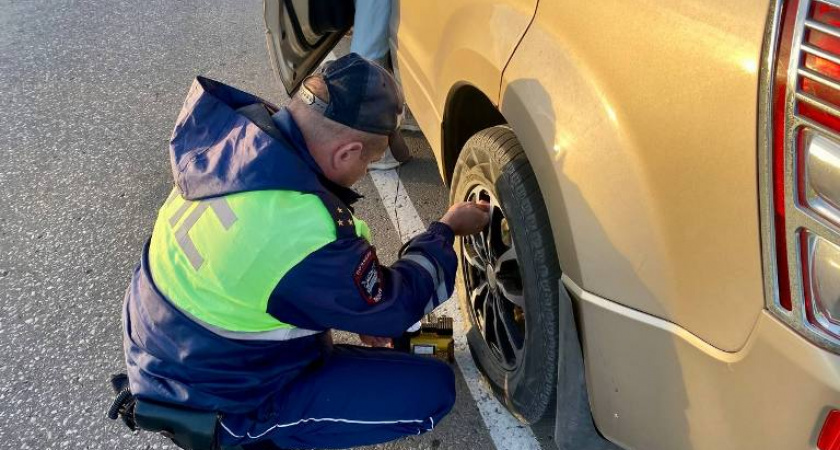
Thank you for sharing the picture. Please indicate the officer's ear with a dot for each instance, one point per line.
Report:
(347, 155)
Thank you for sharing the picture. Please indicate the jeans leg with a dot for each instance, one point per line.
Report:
(371, 28)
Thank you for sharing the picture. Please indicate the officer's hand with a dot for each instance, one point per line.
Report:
(373, 341)
(467, 218)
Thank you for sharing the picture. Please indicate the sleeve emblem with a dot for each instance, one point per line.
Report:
(368, 277)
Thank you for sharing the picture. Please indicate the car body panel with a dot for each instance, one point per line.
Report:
(640, 122)
(655, 386)
(443, 43)
(643, 135)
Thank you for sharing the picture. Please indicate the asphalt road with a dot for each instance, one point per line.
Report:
(89, 91)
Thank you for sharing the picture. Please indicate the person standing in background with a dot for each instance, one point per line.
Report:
(370, 41)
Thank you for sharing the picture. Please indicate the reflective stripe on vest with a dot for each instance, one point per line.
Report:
(219, 259)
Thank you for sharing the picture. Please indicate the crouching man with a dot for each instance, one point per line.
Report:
(257, 254)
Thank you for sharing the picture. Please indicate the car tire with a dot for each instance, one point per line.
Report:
(493, 158)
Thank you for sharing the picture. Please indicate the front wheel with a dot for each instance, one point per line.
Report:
(508, 278)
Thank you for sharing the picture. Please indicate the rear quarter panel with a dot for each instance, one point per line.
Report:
(640, 121)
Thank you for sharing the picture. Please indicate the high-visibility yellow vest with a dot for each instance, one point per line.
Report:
(219, 259)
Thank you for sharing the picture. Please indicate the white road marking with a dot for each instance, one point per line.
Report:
(507, 433)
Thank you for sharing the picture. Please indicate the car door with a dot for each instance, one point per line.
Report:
(300, 33)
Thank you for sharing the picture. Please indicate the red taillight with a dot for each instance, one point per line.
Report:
(820, 63)
(826, 14)
(802, 171)
(779, 96)
(830, 433)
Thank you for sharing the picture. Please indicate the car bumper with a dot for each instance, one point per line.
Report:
(654, 385)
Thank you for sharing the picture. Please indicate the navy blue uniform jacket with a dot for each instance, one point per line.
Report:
(171, 358)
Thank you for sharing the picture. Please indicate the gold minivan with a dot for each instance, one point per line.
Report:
(662, 267)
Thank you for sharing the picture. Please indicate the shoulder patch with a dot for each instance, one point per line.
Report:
(368, 277)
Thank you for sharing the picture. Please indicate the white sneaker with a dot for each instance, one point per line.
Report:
(387, 162)
(408, 123)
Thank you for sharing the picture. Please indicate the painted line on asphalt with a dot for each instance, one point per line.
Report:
(505, 431)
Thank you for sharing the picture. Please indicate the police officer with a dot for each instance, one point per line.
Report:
(257, 254)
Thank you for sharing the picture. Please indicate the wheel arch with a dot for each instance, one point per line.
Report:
(468, 110)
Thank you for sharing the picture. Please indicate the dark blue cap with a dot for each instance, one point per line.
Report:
(363, 95)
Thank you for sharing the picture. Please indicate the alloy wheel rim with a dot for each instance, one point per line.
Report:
(494, 284)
